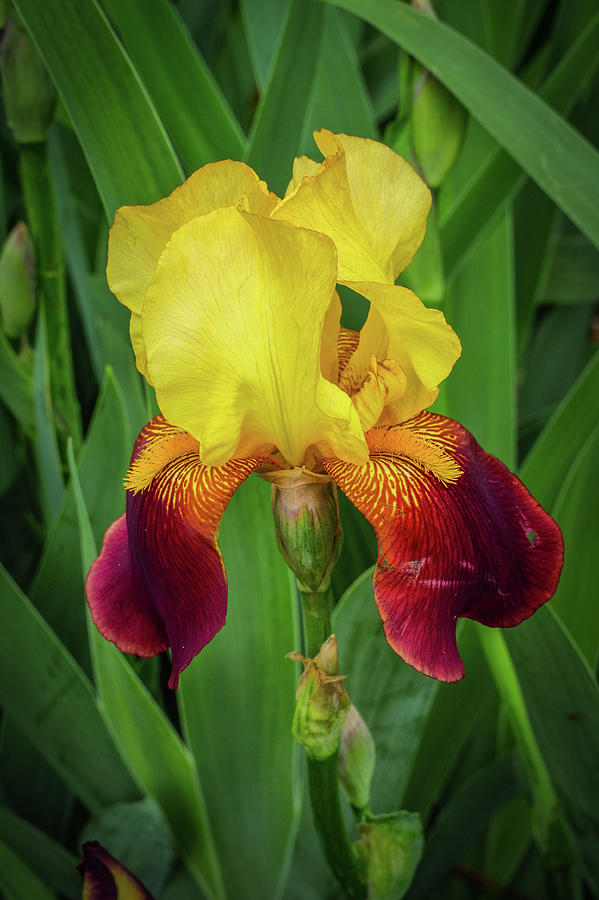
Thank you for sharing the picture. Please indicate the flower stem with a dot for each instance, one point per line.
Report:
(323, 774)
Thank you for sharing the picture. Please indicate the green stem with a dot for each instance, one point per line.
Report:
(42, 219)
(323, 774)
(316, 616)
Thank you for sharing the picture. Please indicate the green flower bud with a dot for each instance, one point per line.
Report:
(322, 702)
(438, 125)
(17, 282)
(391, 846)
(307, 526)
(29, 94)
(357, 755)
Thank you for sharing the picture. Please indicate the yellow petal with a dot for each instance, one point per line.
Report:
(302, 167)
(232, 324)
(400, 327)
(329, 355)
(367, 199)
(139, 233)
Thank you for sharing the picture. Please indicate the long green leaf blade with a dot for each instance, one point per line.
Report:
(563, 707)
(159, 762)
(53, 703)
(125, 143)
(278, 124)
(182, 87)
(559, 159)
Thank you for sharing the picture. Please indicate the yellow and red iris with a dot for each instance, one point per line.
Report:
(235, 322)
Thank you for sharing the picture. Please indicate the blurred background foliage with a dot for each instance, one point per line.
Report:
(202, 794)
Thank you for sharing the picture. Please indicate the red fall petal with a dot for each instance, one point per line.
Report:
(458, 536)
(160, 581)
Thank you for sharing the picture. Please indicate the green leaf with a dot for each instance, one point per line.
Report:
(573, 274)
(455, 716)
(490, 92)
(562, 700)
(105, 321)
(393, 699)
(54, 865)
(279, 121)
(499, 177)
(16, 385)
(52, 702)
(468, 811)
(480, 306)
(124, 142)
(554, 155)
(46, 447)
(576, 512)
(562, 335)
(17, 880)
(182, 87)
(159, 762)
(263, 21)
(237, 700)
(535, 219)
(547, 464)
(350, 110)
(103, 461)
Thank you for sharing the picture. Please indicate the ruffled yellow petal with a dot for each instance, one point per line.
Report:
(139, 233)
(367, 199)
(232, 323)
(302, 167)
(329, 354)
(401, 328)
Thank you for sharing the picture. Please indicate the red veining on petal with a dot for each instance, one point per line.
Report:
(477, 546)
(347, 343)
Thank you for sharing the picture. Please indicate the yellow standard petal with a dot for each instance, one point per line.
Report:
(139, 233)
(414, 347)
(232, 323)
(366, 198)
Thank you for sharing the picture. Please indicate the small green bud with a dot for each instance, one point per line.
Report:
(307, 526)
(322, 703)
(438, 125)
(29, 94)
(391, 846)
(17, 282)
(357, 756)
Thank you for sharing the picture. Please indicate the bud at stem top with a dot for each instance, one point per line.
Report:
(306, 516)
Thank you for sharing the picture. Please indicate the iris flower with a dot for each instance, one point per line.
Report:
(235, 322)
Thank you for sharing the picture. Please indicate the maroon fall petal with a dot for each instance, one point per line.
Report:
(458, 535)
(160, 581)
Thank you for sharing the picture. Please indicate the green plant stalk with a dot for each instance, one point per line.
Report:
(40, 207)
(323, 775)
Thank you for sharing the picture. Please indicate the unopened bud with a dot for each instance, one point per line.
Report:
(322, 703)
(391, 846)
(29, 94)
(357, 755)
(104, 876)
(438, 125)
(306, 517)
(17, 282)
